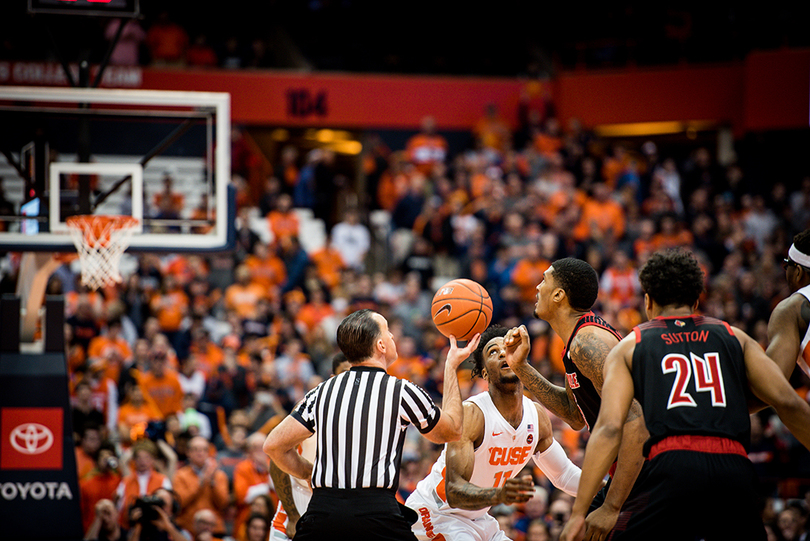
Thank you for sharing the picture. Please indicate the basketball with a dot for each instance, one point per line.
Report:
(461, 308)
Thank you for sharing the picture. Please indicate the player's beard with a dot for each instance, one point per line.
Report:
(506, 383)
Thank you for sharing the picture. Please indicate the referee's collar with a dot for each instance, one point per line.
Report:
(361, 368)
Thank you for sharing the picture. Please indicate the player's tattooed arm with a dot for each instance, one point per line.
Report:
(558, 400)
(588, 350)
(283, 486)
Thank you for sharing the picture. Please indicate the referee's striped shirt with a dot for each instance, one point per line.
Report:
(359, 418)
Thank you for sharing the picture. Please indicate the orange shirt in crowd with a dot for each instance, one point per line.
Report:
(84, 463)
(166, 391)
(425, 150)
(192, 497)
(526, 274)
(246, 480)
(130, 415)
(102, 347)
(328, 264)
(604, 216)
(283, 224)
(242, 299)
(268, 272)
(96, 486)
(170, 309)
(208, 357)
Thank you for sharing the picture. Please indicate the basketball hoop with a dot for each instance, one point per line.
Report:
(101, 241)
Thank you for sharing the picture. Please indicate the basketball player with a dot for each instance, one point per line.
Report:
(502, 431)
(788, 332)
(564, 299)
(294, 493)
(691, 375)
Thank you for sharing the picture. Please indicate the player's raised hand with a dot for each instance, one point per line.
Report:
(457, 355)
(518, 345)
(517, 490)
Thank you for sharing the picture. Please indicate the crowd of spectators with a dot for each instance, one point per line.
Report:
(179, 372)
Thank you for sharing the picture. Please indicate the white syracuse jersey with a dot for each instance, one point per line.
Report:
(502, 454)
(804, 349)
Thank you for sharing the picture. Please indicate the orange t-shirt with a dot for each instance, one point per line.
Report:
(170, 309)
(328, 263)
(604, 215)
(242, 299)
(96, 486)
(269, 273)
(166, 392)
(283, 224)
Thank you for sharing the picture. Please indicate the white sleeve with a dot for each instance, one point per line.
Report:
(559, 469)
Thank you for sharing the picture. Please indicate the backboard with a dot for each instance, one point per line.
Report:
(161, 157)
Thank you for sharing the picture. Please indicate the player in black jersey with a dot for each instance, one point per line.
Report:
(690, 374)
(564, 299)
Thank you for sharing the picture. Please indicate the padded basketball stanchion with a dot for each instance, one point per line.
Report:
(40, 487)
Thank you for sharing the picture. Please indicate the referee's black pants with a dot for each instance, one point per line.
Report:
(356, 514)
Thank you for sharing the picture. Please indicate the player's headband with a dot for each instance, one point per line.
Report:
(795, 255)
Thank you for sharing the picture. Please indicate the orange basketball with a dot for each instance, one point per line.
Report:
(462, 308)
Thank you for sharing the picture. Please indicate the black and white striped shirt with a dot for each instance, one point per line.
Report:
(359, 418)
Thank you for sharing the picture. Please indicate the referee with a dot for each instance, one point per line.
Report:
(359, 418)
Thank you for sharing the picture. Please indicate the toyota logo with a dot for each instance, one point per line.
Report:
(31, 438)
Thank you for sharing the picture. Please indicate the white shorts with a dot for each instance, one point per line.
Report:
(278, 529)
(434, 525)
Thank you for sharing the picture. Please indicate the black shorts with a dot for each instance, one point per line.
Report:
(356, 514)
(689, 495)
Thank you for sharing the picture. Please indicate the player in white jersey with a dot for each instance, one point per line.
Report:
(503, 430)
(294, 493)
(788, 329)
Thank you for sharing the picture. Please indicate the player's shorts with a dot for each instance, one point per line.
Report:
(278, 529)
(434, 525)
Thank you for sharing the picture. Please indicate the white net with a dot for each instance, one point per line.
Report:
(101, 241)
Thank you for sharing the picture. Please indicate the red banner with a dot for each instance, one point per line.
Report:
(31, 438)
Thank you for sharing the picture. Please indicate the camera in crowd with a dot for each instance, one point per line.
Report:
(148, 506)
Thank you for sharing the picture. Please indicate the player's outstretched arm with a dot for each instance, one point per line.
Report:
(558, 400)
(450, 425)
(460, 459)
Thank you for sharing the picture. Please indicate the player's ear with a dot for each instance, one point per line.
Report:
(559, 294)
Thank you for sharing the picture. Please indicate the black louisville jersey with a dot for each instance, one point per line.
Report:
(588, 399)
(686, 372)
